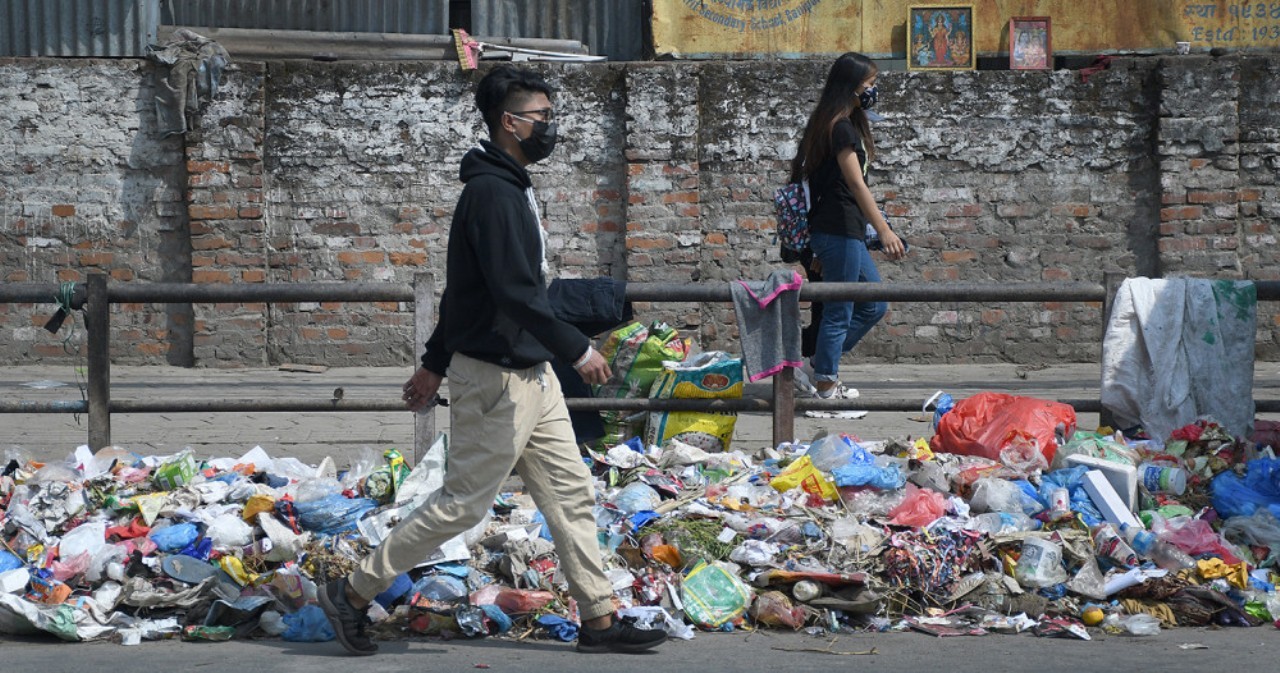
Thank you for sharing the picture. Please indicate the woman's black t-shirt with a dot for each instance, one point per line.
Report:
(833, 209)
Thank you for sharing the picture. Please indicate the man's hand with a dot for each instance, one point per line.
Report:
(421, 388)
(596, 370)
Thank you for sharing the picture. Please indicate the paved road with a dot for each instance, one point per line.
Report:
(1235, 649)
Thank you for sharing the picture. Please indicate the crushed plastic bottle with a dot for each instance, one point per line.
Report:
(1149, 546)
(994, 523)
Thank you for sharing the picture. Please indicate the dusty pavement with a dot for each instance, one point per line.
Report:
(311, 436)
(1185, 650)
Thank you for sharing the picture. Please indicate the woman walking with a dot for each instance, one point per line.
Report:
(833, 156)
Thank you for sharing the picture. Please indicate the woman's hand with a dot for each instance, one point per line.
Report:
(893, 246)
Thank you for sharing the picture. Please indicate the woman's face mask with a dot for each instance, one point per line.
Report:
(867, 99)
(541, 140)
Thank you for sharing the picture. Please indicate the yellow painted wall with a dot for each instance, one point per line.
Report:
(693, 28)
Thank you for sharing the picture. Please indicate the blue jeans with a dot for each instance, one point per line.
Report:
(844, 323)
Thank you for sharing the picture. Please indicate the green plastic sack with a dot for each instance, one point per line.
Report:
(635, 354)
(714, 595)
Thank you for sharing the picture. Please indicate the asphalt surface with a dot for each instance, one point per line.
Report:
(1185, 650)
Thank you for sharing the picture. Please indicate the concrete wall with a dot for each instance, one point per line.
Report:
(665, 173)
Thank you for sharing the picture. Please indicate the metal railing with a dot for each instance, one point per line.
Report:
(97, 295)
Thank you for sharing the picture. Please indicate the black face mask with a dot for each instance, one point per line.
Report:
(541, 141)
(867, 99)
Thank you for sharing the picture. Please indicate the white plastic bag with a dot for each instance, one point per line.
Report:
(1141, 625)
(90, 537)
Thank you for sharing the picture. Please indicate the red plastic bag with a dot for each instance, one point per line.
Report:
(984, 424)
(921, 507)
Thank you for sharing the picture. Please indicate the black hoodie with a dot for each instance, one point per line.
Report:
(495, 304)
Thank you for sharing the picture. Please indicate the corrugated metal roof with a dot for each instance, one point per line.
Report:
(613, 28)
(87, 28)
(423, 17)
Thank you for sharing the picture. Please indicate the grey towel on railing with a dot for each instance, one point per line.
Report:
(769, 322)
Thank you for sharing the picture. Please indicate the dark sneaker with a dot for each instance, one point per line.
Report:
(348, 621)
(623, 636)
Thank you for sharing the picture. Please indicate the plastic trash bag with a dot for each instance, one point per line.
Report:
(982, 425)
(714, 595)
(1001, 495)
(175, 537)
(1196, 537)
(308, 625)
(65, 569)
(802, 473)
(653, 616)
(1022, 454)
(920, 508)
(332, 514)
(558, 627)
(637, 497)
(829, 452)
(1072, 479)
(942, 404)
(446, 588)
(87, 537)
(229, 531)
(1260, 529)
(861, 470)
(774, 608)
(1141, 624)
(1259, 488)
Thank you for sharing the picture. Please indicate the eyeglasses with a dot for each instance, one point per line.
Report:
(547, 113)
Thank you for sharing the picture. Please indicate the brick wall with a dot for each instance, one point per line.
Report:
(664, 173)
(87, 186)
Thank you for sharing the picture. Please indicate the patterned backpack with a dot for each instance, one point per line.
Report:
(791, 202)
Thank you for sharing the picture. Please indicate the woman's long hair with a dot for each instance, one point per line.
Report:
(839, 99)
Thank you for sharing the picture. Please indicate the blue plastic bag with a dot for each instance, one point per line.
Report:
(861, 470)
(175, 537)
(559, 628)
(942, 403)
(1259, 488)
(397, 590)
(501, 622)
(1072, 479)
(308, 625)
(9, 561)
(332, 514)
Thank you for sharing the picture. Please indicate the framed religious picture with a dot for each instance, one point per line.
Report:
(940, 37)
(1030, 43)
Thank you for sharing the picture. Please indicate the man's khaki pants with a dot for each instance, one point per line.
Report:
(500, 419)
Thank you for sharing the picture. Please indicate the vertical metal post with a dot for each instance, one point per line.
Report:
(1111, 282)
(98, 334)
(424, 309)
(784, 406)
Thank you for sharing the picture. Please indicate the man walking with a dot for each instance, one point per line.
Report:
(496, 335)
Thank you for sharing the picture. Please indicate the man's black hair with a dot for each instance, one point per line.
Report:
(503, 89)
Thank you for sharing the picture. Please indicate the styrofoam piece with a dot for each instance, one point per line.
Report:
(1107, 500)
(1123, 478)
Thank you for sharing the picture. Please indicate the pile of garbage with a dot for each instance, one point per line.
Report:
(1008, 520)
